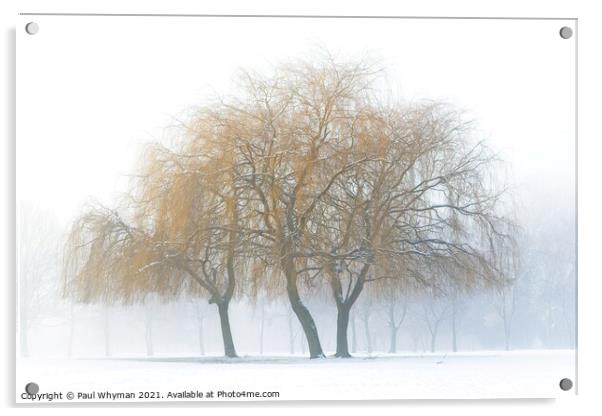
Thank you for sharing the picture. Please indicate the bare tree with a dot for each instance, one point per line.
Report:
(455, 305)
(262, 323)
(106, 325)
(506, 304)
(148, 331)
(508, 260)
(410, 186)
(109, 261)
(280, 136)
(434, 312)
(38, 268)
(200, 315)
(394, 321)
(365, 314)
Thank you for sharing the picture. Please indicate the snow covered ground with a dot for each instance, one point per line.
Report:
(489, 374)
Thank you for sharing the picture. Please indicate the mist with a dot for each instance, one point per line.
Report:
(241, 211)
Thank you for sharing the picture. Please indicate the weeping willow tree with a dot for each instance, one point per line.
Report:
(181, 237)
(282, 133)
(305, 181)
(423, 194)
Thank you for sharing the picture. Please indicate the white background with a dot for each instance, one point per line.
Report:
(589, 41)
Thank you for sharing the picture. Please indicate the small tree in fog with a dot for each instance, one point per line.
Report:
(37, 269)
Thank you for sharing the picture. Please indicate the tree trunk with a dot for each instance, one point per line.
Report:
(148, 338)
(223, 305)
(344, 304)
(342, 325)
(506, 336)
(433, 340)
(261, 329)
(303, 314)
(107, 332)
(149, 342)
(392, 329)
(367, 333)
(454, 336)
(201, 338)
(308, 325)
(291, 335)
(506, 329)
(229, 349)
(353, 335)
(393, 343)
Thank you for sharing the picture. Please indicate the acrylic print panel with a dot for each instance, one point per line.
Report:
(287, 208)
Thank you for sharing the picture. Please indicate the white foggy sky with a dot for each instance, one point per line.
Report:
(92, 90)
